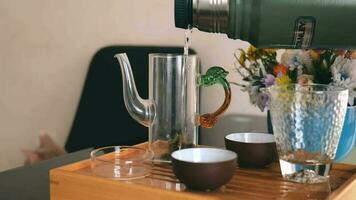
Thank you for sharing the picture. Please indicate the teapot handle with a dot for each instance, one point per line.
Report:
(215, 75)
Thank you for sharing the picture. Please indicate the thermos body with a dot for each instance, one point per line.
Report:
(298, 24)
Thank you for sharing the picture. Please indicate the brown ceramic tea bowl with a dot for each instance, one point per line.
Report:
(254, 150)
(204, 168)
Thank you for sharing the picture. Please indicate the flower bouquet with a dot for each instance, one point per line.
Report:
(261, 68)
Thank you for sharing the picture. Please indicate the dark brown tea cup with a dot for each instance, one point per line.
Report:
(254, 150)
(204, 168)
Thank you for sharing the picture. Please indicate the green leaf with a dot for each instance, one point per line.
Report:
(213, 75)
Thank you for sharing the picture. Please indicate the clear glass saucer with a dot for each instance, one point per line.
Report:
(121, 162)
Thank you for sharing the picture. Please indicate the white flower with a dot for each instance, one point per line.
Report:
(344, 74)
(296, 59)
(257, 97)
(253, 93)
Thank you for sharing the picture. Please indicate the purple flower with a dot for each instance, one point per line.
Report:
(269, 80)
(263, 101)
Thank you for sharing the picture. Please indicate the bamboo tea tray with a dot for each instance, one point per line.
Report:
(76, 182)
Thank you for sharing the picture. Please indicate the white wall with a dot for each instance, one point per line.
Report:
(45, 49)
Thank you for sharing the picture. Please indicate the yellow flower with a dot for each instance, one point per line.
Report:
(269, 51)
(283, 80)
(314, 54)
(353, 55)
(251, 51)
(242, 58)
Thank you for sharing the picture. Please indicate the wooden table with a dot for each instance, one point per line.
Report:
(75, 182)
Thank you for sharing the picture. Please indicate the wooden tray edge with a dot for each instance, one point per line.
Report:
(60, 177)
(346, 191)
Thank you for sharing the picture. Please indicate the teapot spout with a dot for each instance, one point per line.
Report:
(142, 110)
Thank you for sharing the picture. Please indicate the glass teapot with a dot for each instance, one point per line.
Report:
(172, 110)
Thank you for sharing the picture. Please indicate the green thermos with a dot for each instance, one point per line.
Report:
(322, 24)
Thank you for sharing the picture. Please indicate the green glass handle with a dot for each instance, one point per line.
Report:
(215, 75)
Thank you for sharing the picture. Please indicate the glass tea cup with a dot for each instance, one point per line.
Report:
(307, 122)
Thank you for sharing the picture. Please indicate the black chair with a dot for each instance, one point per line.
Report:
(101, 118)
